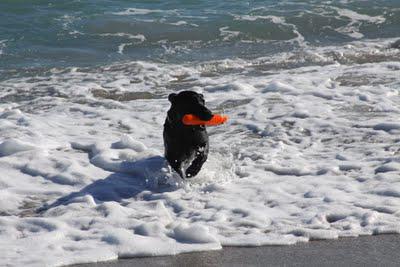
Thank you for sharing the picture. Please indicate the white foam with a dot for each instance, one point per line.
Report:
(352, 29)
(142, 11)
(274, 19)
(299, 39)
(12, 146)
(359, 17)
(194, 234)
(228, 34)
(138, 37)
(121, 48)
(2, 46)
(308, 153)
(66, 21)
(182, 23)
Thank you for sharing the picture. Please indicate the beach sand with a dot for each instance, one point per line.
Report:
(381, 250)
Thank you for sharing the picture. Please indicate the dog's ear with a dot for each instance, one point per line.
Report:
(171, 97)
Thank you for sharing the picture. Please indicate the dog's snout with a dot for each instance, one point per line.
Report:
(204, 113)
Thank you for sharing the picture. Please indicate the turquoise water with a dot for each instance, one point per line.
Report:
(45, 34)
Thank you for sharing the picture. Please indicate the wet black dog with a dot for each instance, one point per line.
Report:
(186, 147)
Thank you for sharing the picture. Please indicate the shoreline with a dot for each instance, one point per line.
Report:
(375, 250)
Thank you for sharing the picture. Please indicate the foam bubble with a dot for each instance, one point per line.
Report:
(138, 37)
(142, 11)
(12, 146)
(2, 46)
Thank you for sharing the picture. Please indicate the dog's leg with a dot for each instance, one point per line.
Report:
(197, 163)
(175, 162)
(177, 166)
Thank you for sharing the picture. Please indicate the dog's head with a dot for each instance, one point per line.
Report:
(188, 102)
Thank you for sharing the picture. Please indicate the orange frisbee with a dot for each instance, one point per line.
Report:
(190, 119)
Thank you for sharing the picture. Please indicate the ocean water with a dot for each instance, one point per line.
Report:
(37, 35)
(311, 150)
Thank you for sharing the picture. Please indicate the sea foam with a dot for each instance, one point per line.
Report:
(311, 151)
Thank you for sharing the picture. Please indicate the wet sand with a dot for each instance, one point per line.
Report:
(380, 250)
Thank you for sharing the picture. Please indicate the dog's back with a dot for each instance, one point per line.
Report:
(186, 147)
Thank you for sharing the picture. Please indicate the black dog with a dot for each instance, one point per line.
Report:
(186, 147)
